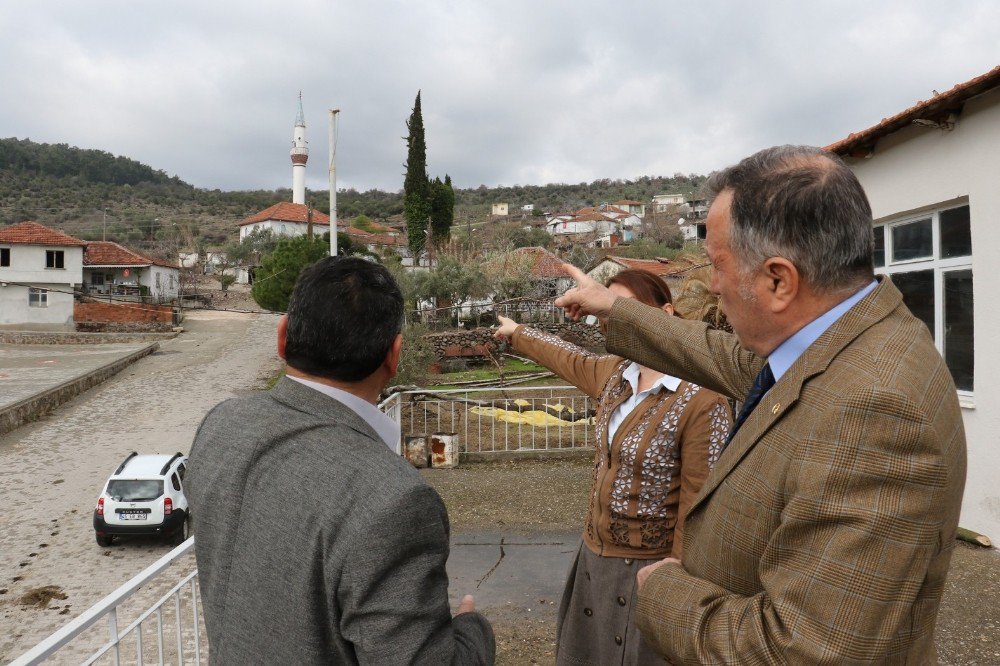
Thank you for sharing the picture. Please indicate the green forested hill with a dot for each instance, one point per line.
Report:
(88, 193)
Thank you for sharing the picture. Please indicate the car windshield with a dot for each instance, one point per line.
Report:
(139, 490)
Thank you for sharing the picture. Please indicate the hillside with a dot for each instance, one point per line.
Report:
(90, 193)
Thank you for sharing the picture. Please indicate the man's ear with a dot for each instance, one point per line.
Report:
(668, 308)
(282, 335)
(782, 282)
(393, 356)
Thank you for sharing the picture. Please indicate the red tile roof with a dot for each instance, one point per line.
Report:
(545, 264)
(32, 233)
(106, 253)
(936, 109)
(288, 212)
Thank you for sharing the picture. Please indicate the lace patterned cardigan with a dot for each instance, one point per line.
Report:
(645, 479)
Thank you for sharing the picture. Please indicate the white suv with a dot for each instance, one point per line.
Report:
(144, 496)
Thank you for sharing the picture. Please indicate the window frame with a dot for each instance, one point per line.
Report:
(39, 295)
(935, 263)
(55, 260)
(4, 257)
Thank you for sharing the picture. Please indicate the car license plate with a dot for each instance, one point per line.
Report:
(132, 516)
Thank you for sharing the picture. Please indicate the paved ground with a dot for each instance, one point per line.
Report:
(26, 370)
(52, 471)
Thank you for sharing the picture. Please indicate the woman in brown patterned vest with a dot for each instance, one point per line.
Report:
(657, 439)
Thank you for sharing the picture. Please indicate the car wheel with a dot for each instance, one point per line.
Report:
(182, 533)
(104, 541)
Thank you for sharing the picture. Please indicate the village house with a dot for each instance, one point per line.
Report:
(930, 173)
(664, 202)
(39, 270)
(286, 219)
(633, 207)
(111, 269)
(499, 210)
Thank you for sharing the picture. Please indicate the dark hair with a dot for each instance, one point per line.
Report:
(343, 317)
(647, 288)
(803, 204)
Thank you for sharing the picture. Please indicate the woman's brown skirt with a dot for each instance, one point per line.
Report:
(597, 614)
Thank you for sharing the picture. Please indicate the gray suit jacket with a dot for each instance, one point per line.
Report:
(316, 543)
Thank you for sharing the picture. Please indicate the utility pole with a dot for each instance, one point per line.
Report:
(333, 181)
(104, 236)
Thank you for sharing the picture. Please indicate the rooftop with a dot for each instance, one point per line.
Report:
(32, 233)
(939, 110)
(106, 253)
(286, 211)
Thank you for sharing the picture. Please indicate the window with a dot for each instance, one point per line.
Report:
(54, 259)
(4, 256)
(97, 279)
(175, 482)
(929, 259)
(38, 298)
(157, 280)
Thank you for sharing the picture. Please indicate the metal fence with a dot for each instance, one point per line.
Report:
(485, 420)
(172, 630)
(493, 420)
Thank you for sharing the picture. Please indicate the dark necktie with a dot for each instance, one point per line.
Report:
(761, 385)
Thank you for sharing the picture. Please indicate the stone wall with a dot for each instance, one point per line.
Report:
(480, 341)
(69, 338)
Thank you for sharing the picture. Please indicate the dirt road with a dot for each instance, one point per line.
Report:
(52, 470)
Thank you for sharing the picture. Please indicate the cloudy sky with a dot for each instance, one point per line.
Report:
(514, 92)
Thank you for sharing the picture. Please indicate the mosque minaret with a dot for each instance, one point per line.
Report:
(300, 155)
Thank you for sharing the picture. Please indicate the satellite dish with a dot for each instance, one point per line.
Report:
(681, 221)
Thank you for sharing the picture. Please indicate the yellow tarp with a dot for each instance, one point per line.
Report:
(532, 417)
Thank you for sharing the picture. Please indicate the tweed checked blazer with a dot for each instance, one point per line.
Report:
(823, 534)
(316, 544)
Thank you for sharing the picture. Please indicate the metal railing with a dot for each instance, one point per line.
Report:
(184, 622)
(493, 420)
(487, 420)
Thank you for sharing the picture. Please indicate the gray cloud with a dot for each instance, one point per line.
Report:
(514, 93)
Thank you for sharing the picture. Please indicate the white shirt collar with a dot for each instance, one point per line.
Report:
(789, 351)
(387, 429)
(631, 375)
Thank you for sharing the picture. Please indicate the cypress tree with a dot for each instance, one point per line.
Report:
(416, 187)
(442, 210)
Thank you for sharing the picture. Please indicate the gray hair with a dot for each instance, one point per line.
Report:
(803, 204)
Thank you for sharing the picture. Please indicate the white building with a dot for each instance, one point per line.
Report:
(499, 209)
(286, 219)
(109, 268)
(39, 270)
(931, 174)
(664, 202)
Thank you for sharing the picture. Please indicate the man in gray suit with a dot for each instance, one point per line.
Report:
(315, 542)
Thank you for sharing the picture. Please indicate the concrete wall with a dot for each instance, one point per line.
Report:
(27, 264)
(15, 311)
(921, 168)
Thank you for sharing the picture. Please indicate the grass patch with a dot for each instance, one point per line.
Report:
(482, 373)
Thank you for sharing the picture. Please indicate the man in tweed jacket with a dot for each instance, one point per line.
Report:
(824, 533)
(316, 543)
